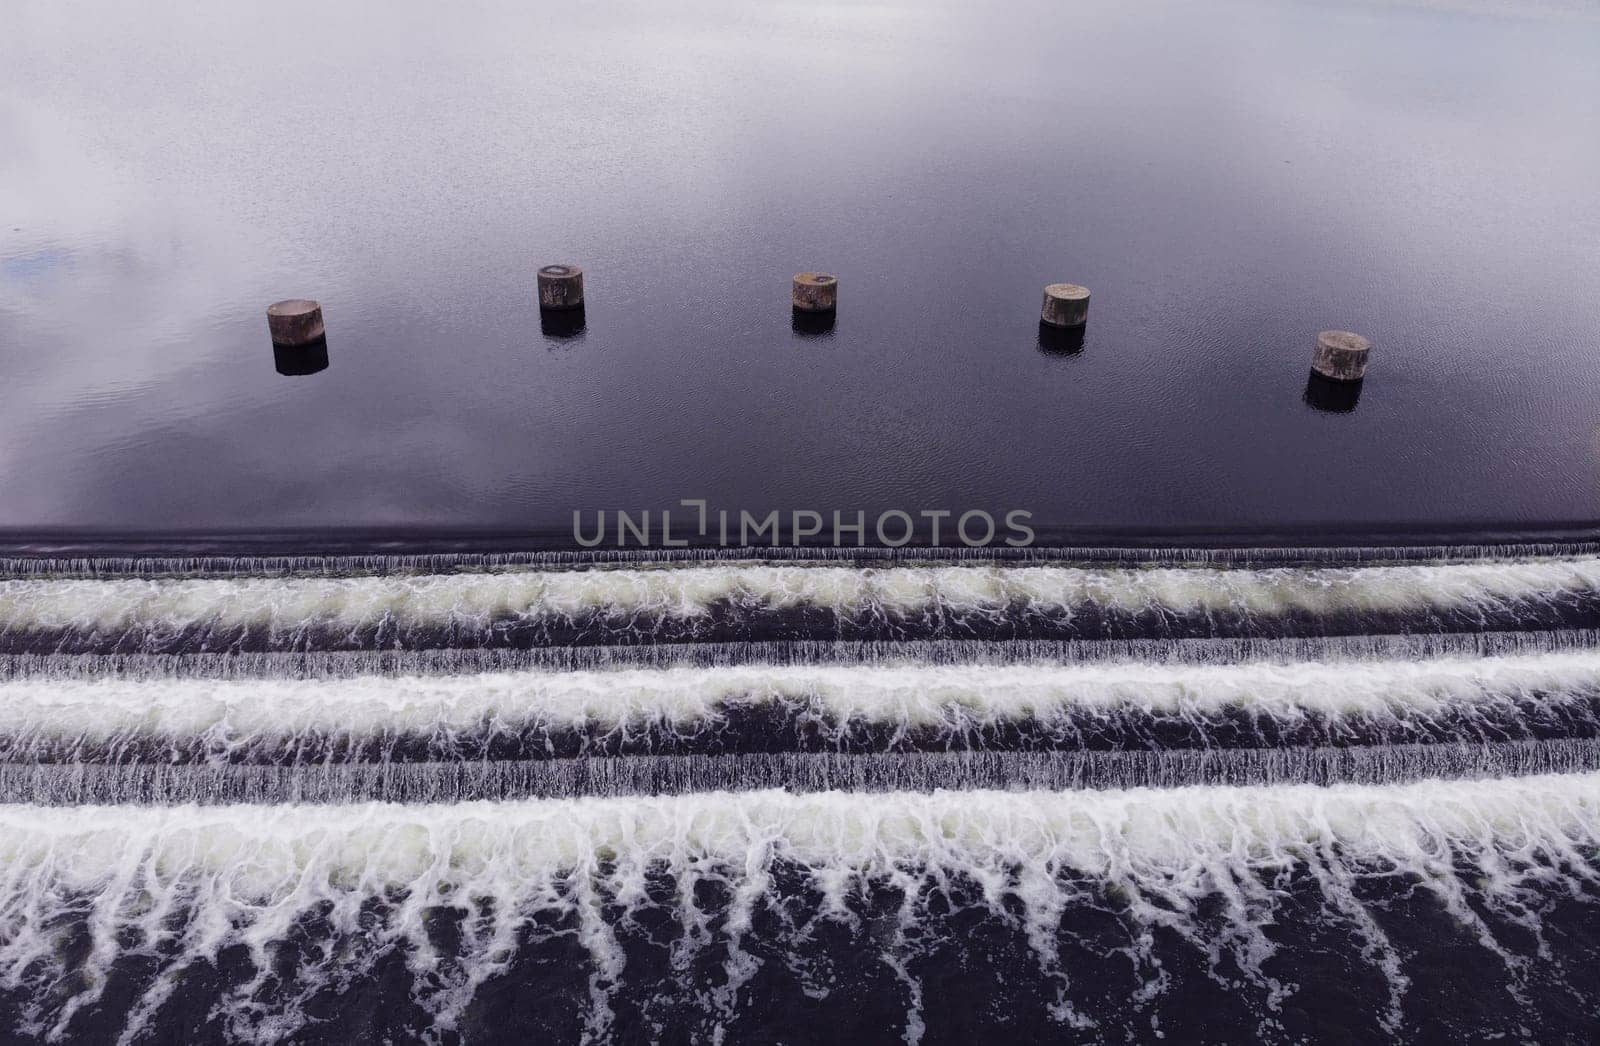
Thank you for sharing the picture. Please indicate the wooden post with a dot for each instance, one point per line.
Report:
(1065, 305)
(1341, 356)
(815, 292)
(560, 287)
(294, 322)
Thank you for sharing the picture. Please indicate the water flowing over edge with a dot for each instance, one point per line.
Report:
(656, 775)
(1087, 830)
(187, 895)
(682, 710)
(346, 664)
(186, 883)
(379, 563)
(656, 605)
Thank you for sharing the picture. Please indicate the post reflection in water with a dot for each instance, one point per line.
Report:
(562, 323)
(813, 324)
(1060, 341)
(1332, 397)
(296, 360)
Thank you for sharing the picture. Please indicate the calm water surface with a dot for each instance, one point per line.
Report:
(1228, 178)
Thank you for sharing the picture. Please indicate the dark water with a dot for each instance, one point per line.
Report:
(965, 975)
(1228, 178)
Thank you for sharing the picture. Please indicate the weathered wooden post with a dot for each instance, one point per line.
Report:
(1065, 305)
(294, 322)
(815, 292)
(1341, 356)
(560, 287)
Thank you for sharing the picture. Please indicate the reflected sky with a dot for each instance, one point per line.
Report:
(1227, 178)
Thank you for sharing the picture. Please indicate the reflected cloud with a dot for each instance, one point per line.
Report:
(147, 211)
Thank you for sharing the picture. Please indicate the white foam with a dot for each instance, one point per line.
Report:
(288, 605)
(222, 714)
(249, 874)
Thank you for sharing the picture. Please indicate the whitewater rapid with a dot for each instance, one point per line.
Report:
(753, 600)
(253, 800)
(186, 884)
(692, 708)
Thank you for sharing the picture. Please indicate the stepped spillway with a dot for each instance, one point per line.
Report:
(1129, 790)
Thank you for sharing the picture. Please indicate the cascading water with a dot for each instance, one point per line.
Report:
(525, 607)
(1272, 795)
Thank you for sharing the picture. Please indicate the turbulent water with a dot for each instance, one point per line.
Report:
(1077, 797)
(909, 706)
(745, 601)
(714, 884)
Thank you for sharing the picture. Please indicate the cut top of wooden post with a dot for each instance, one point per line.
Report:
(294, 321)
